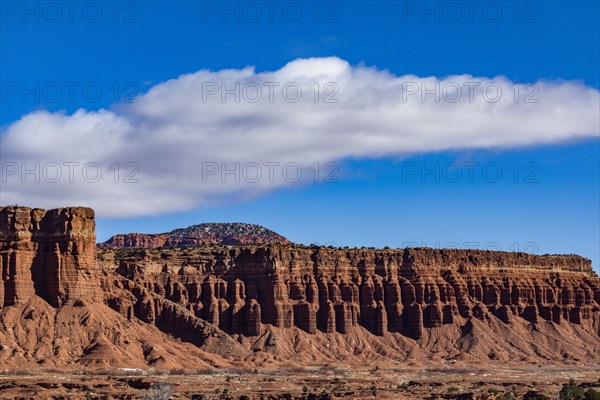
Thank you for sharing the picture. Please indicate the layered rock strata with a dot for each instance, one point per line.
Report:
(51, 254)
(475, 302)
(242, 288)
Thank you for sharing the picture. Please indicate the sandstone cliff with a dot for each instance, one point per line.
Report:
(51, 254)
(62, 302)
(53, 297)
(329, 290)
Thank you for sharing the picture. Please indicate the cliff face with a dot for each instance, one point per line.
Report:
(51, 254)
(64, 302)
(407, 291)
(54, 296)
(137, 240)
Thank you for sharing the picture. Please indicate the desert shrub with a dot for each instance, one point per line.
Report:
(535, 396)
(507, 396)
(178, 371)
(23, 372)
(570, 391)
(591, 394)
(159, 391)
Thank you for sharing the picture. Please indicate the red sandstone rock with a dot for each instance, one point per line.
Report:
(48, 253)
(202, 294)
(402, 291)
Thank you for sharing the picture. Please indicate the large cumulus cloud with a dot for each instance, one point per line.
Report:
(171, 144)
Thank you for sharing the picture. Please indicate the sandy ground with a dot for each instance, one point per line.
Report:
(302, 383)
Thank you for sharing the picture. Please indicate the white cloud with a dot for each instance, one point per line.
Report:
(179, 126)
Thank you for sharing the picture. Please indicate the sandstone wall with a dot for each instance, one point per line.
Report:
(135, 240)
(133, 300)
(241, 288)
(51, 254)
(201, 293)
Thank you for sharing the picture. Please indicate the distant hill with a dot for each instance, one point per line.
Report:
(207, 233)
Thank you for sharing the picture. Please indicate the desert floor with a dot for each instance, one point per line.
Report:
(322, 382)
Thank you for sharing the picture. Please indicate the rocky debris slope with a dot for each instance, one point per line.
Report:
(201, 234)
(89, 335)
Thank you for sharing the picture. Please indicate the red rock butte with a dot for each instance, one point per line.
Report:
(257, 303)
(50, 254)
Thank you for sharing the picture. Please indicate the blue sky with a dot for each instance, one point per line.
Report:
(379, 198)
